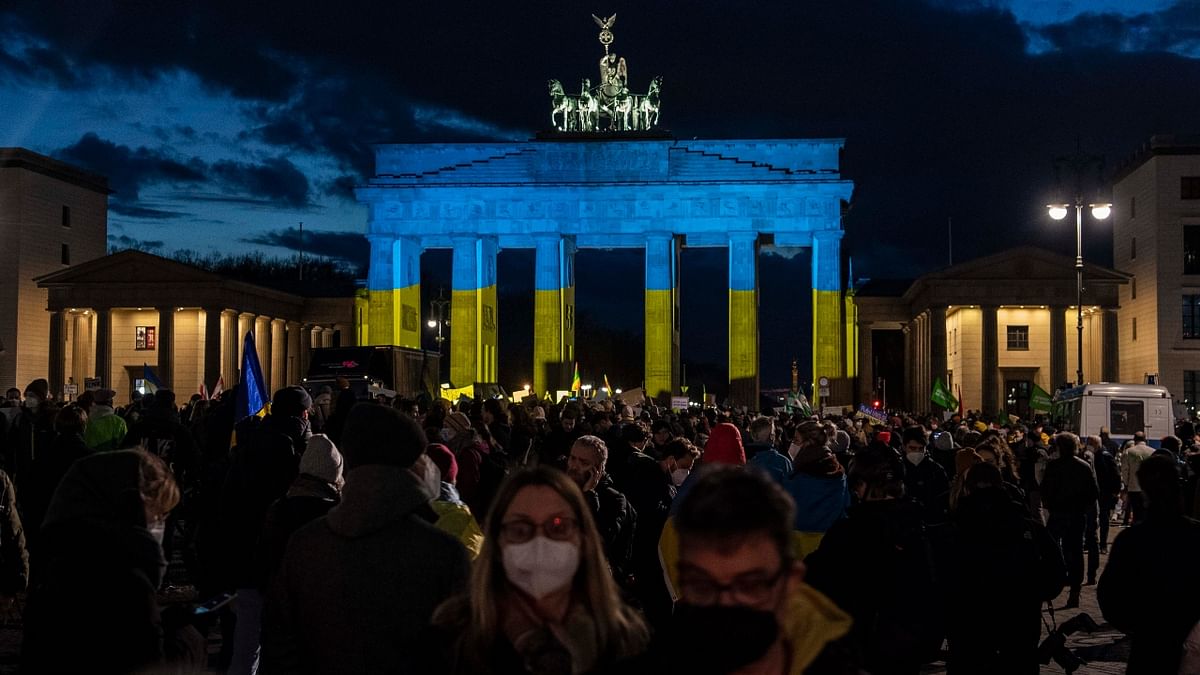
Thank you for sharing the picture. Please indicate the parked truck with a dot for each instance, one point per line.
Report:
(370, 370)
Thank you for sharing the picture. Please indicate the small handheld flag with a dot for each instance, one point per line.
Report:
(151, 379)
(576, 385)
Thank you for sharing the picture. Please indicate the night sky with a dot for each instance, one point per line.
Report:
(221, 125)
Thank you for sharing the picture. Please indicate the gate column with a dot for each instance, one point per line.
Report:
(827, 305)
(662, 315)
(553, 312)
(743, 319)
(473, 311)
(406, 293)
(381, 301)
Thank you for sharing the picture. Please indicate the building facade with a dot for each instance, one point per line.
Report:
(1156, 239)
(113, 318)
(991, 329)
(52, 216)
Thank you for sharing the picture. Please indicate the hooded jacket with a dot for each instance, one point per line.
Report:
(93, 608)
(105, 429)
(357, 587)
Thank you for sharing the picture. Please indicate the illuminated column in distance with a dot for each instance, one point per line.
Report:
(406, 294)
(662, 315)
(553, 312)
(743, 319)
(473, 311)
(381, 295)
(827, 305)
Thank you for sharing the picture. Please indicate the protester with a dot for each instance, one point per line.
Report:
(453, 516)
(541, 597)
(50, 465)
(105, 429)
(1108, 481)
(1004, 565)
(744, 606)
(896, 622)
(817, 484)
(925, 481)
(1068, 491)
(762, 454)
(93, 607)
(495, 417)
(1134, 594)
(1131, 459)
(615, 519)
(357, 587)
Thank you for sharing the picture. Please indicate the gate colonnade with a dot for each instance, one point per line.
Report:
(559, 196)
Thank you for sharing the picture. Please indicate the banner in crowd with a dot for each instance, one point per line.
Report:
(871, 415)
(1039, 399)
(941, 395)
(453, 395)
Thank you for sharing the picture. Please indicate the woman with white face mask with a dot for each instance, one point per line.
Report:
(541, 599)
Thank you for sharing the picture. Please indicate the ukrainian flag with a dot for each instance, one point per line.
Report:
(252, 396)
(576, 385)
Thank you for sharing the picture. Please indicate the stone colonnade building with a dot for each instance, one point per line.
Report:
(557, 195)
(991, 328)
(111, 317)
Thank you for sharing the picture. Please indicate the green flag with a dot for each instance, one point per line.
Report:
(1039, 400)
(941, 395)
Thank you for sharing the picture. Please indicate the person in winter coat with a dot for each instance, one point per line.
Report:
(762, 453)
(453, 516)
(105, 429)
(744, 606)
(877, 565)
(265, 463)
(1108, 481)
(817, 484)
(14, 556)
(357, 587)
(315, 491)
(49, 467)
(615, 519)
(651, 487)
(1068, 491)
(541, 598)
(925, 481)
(1131, 459)
(1004, 564)
(1133, 594)
(93, 607)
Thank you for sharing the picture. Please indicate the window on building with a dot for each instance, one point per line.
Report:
(66, 216)
(1018, 338)
(1191, 317)
(1189, 187)
(1133, 289)
(1135, 328)
(1133, 248)
(1132, 207)
(66, 254)
(1191, 249)
(1191, 388)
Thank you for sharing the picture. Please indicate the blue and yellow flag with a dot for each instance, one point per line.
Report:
(252, 396)
(576, 385)
(152, 382)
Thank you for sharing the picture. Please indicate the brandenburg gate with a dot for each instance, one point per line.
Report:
(587, 185)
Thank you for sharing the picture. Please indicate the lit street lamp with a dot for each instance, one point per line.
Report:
(437, 317)
(1101, 210)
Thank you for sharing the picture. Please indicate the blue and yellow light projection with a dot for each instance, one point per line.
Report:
(559, 195)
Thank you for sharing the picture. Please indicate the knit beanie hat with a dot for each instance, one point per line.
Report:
(457, 422)
(724, 446)
(445, 461)
(321, 459)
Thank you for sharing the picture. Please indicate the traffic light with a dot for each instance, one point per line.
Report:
(877, 404)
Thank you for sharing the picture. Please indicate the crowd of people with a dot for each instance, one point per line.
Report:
(333, 535)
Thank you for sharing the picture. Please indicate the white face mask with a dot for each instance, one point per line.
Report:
(541, 566)
(915, 457)
(793, 449)
(158, 530)
(679, 475)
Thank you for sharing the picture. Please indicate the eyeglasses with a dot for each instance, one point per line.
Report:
(521, 531)
(747, 590)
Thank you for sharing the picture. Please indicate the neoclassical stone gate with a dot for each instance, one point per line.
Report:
(557, 196)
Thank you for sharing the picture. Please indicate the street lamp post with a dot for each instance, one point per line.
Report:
(437, 317)
(1100, 211)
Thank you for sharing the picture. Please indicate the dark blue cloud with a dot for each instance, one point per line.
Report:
(129, 169)
(275, 178)
(348, 247)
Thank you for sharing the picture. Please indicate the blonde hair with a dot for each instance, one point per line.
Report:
(620, 632)
(160, 492)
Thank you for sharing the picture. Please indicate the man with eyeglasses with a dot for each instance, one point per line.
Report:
(743, 605)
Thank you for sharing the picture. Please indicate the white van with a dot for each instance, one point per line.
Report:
(1123, 408)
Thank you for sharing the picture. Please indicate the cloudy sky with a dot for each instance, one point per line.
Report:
(221, 124)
